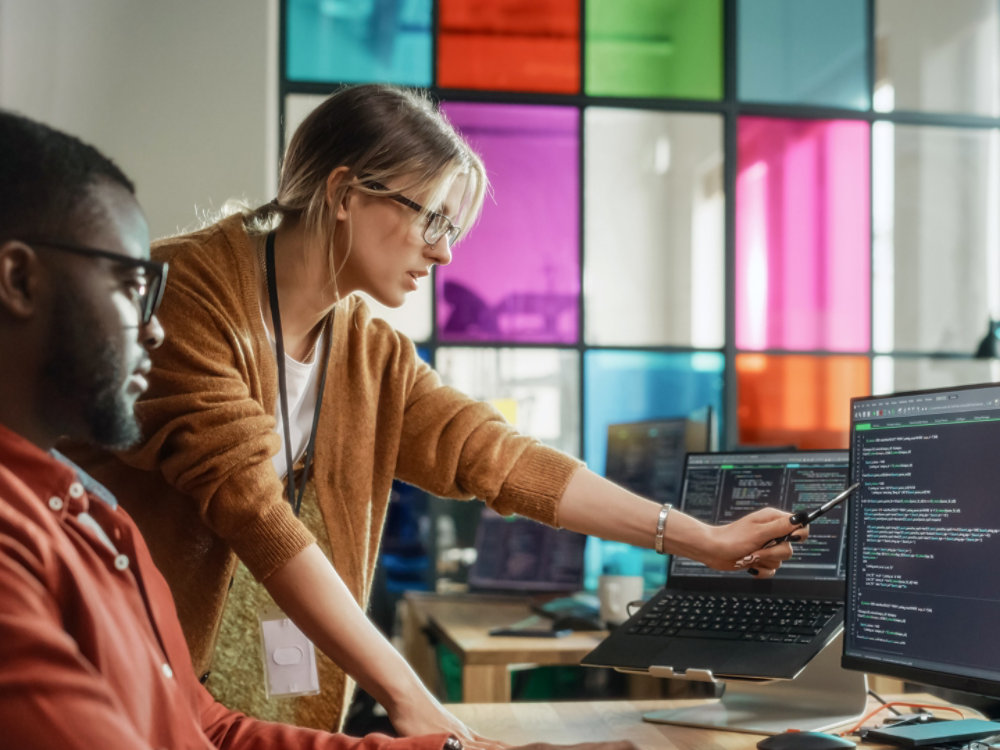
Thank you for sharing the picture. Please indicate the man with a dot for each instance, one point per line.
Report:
(91, 651)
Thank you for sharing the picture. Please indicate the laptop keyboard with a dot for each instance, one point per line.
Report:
(728, 617)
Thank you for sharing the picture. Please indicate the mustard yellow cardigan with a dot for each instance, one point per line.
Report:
(202, 487)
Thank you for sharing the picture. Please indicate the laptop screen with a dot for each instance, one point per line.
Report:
(721, 487)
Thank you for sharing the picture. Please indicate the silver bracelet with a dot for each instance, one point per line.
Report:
(661, 525)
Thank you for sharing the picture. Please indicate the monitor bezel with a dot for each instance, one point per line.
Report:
(923, 675)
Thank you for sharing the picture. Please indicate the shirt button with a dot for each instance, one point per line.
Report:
(76, 490)
(56, 503)
(121, 562)
(167, 671)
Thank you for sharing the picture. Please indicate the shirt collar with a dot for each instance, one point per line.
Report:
(47, 473)
(90, 484)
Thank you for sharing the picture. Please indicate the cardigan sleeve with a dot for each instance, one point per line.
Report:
(204, 425)
(455, 446)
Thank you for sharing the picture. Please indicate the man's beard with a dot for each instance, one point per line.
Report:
(89, 373)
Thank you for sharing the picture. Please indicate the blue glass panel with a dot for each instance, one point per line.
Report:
(359, 40)
(803, 52)
(630, 386)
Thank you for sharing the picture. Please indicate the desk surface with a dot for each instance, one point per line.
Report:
(572, 722)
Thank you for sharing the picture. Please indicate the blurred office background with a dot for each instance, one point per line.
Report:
(760, 206)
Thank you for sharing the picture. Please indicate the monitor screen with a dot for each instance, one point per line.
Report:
(721, 487)
(647, 457)
(924, 540)
(518, 554)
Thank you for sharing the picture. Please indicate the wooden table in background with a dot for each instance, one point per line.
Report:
(462, 623)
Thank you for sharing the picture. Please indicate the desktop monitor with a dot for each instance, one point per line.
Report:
(520, 555)
(647, 457)
(924, 538)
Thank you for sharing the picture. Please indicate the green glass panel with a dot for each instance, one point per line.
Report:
(655, 48)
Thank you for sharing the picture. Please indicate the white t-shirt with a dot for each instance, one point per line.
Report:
(302, 382)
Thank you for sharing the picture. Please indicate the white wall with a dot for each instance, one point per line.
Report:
(180, 93)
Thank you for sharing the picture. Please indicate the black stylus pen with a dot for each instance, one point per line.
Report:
(804, 518)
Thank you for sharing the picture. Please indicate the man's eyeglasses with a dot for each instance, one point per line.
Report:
(150, 287)
(438, 225)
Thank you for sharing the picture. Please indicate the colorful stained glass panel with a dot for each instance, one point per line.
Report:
(798, 400)
(803, 52)
(509, 45)
(516, 277)
(655, 49)
(359, 40)
(629, 386)
(802, 235)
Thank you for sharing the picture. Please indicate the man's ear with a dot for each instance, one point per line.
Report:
(334, 182)
(20, 273)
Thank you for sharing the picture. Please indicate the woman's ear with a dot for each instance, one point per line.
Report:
(335, 183)
(19, 275)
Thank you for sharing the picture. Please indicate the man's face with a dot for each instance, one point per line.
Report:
(97, 360)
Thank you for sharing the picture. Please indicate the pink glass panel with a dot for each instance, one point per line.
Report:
(516, 276)
(802, 235)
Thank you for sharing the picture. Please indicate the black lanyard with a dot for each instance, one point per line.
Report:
(272, 294)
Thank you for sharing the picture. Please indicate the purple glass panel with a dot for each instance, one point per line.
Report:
(802, 235)
(516, 277)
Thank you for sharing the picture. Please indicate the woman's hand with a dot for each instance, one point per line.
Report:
(742, 543)
(422, 714)
(593, 505)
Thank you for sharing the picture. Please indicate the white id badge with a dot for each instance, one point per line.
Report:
(289, 657)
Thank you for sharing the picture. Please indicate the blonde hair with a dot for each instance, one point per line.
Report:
(380, 133)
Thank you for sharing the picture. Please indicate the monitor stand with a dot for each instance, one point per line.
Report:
(820, 697)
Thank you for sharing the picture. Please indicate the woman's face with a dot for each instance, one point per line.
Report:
(388, 255)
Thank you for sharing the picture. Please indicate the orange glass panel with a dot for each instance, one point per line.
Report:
(509, 45)
(798, 400)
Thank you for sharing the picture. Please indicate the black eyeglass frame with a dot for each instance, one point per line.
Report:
(155, 272)
(445, 227)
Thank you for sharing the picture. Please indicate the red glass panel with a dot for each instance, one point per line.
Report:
(509, 45)
(798, 400)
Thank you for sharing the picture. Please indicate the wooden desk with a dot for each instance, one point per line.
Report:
(462, 624)
(571, 722)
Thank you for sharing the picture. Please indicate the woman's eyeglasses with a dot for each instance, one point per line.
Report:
(438, 225)
(151, 286)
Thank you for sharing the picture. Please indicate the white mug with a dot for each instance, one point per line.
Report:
(615, 592)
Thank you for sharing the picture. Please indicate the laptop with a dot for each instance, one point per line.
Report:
(704, 623)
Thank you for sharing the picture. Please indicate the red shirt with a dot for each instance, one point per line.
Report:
(91, 650)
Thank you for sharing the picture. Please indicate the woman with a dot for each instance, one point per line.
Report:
(375, 188)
